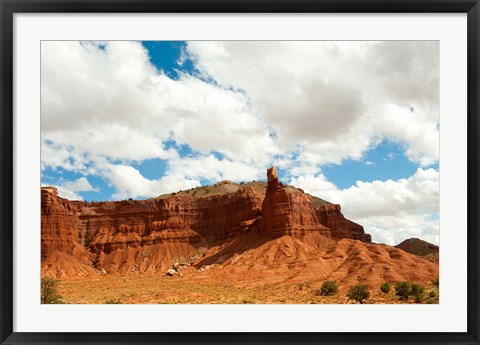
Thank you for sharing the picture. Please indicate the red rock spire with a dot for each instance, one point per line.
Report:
(272, 176)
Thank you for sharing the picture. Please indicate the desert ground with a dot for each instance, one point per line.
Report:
(195, 288)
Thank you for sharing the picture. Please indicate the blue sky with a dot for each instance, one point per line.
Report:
(342, 120)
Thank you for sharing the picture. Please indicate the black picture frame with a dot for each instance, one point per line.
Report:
(7, 175)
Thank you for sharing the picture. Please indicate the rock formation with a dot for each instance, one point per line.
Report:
(142, 236)
(288, 213)
(340, 227)
(268, 227)
(418, 247)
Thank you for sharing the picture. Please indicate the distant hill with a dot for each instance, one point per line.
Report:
(419, 247)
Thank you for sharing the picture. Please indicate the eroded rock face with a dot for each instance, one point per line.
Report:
(146, 235)
(142, 236)
(332, 217)
(288, 213)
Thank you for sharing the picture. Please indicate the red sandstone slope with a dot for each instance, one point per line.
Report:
(314, 257)
(277, 232)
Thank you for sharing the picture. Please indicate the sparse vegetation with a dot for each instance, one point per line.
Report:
(432, 294)
(406, 289)
(49, 291)
(328, 288)
(385, 287)
(196, 287)
(358, 293)
(436, 282)
(403, 290)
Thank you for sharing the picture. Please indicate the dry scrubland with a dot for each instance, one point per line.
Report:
(187, 289)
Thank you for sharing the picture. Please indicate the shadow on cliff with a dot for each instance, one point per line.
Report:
(237, 245)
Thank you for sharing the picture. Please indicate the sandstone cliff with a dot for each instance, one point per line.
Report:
(270, 229)
(288, 212)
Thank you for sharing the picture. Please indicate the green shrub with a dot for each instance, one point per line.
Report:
(358, 293)
(416, 291)
(328, 288)
(403, 290)
(432, 294)
(436, 282)
(385, 287)
(49, 291)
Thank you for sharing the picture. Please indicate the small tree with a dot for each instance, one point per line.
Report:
(328, 288)
(49, 291)
(403, 290)
(385, 288)
(358, 293)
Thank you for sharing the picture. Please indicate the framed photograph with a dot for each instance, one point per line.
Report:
(239, 172)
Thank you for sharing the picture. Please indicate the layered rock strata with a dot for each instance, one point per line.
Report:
(288, 213)
(141, 236)
(331, 216)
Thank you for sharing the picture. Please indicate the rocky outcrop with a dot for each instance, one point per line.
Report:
(288, 213)
(142, 236)
(340, 227)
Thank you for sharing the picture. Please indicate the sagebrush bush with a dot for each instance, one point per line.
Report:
(358, 293)
(385, 288)
(328, 288)
(403, 290)
(49, 294)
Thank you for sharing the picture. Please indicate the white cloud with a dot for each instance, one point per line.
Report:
(391, 211)
(211, 168)
(131, 184)
(314, 184)
(335, 99)
(80, 185)
(69, 189)
(298, 105)
(67, 194)
(112, 102)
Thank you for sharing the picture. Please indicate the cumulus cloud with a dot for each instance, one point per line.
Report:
(80, 185)
(112, 102)
(391, 211)
(335, 99)
(131, 184)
